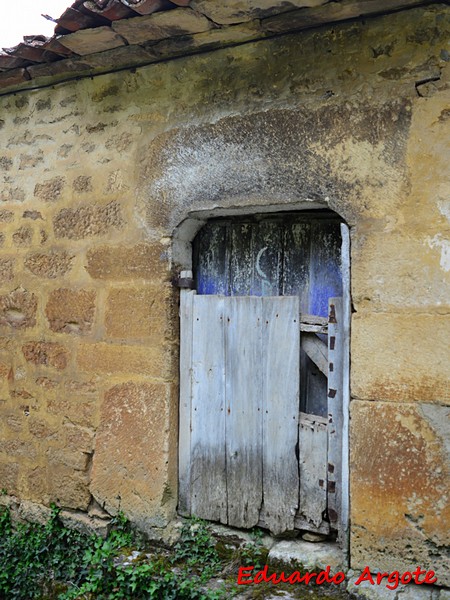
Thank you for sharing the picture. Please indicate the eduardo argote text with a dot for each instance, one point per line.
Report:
(248, 576)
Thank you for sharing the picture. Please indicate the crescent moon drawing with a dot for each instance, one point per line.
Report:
(258, 268)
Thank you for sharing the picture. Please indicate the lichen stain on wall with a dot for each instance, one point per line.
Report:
(96, 174)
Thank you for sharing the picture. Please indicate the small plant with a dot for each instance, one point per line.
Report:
(197, 548)
(43, 562)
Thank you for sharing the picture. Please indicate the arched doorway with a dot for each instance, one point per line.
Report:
(262, 353)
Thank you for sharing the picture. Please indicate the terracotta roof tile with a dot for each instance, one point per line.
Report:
(95, 36)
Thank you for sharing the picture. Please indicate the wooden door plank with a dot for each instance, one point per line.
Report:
(335, 414)
(325, 274)
(296, 256)
(243, 410)
(281, 389)
(317, 351)
(210, 257)
(241, 259)
(267, 259)
(208, 467)
(184, 443)
(313, 468)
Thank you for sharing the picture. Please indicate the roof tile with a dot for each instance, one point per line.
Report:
(162, 25)
(90, 41)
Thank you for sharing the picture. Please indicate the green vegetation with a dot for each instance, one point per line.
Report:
(52, 562)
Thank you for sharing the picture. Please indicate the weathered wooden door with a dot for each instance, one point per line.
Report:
(254, 411)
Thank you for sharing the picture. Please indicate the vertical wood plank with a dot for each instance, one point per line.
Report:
(243, 410)
(267, 259)
(335, 415)
(296, 258)
(281, 389)
(344, 529)
(241, 259)
(210, 258)
(208, 467)
(313, 468)
(325, 272)
(184, 443)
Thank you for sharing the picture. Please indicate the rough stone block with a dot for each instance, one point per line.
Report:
(23, 237)
(50, 190)
(140, 312)
(113, 359)
(122, 263)
(129, 468)
(237, 11)
(87, 221)
(18, 309)
(161, 25)
(18, 448)
(33, 513)
(85, 524)
(50, 265)
(89, 41)
(36, 482)
(397, 269)
(399, 481)
(68, 488)
(82, 184)
(71, 311)
(40, 429)
(6, 269)
(80, 412)
(50, 354)
(400, 357)
(9, 472)
(311, 556)
(6, 216)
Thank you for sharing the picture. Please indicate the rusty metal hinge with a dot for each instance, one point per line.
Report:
(185, 283)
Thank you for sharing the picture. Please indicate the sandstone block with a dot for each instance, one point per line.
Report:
(23, 237)
(18, 449)
(78, 438)
(73, 459)
(50, 265)
(50, 190)
(400, 357)
(68, 488)
(399, 482)
(50, 354)
(6, 269)
(85, 524)
(40, 429)
(87, 221)
(71, 311)
(112, 359)
(18, 309)
(140, 312)
(33, 513)
(2, 239)
(6, 216)
(92, 40)
(9, 472)
(237, 11)
(122, 263)
(37, 484)
(5, 163)
(34, 215)
(397, 269)
(82, 184)
(161, 25)
(80, 412)
(129, 466)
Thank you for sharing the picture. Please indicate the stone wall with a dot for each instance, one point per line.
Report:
(96, 176)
